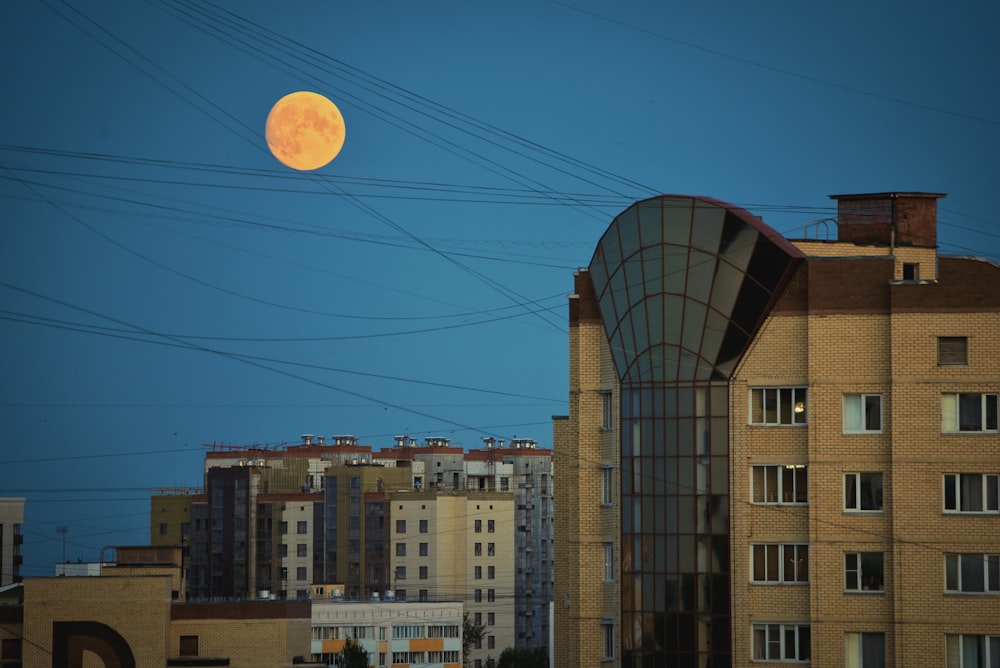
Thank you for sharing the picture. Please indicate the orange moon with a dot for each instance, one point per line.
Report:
(304, 130)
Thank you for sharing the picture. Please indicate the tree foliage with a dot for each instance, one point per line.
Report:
(524, 657)
(353, 655)
(472, 635)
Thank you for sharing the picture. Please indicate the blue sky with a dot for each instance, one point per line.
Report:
(165, 282)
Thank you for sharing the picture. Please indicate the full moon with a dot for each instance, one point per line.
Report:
(304, 130)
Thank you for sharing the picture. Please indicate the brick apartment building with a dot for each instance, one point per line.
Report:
(780, 450)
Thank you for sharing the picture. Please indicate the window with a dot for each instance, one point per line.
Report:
(953, 350)
(400, 572)
(479, 526)
(10, 648)
(400, 526)
(491, 549)
(491, 619)
(423, 595)
(776, 563)
(607, 411)
(490, 526)
(864, 650)
(606, 488)
(302, 573)
(778, 406)
(283, 574)
(971, 493)
(478, 549)
(863, 492)
(478, 596)
(283, 527)
(491, 642)
(491, 573)
(478, 573)
(608, 627)
(491, 595)
(968, 412)
(423, 572)
(863, 571)
(780, 483)
(423, 526)
(400, 549)
(781, 642)
(302, 527)
(862, 413)
(283, 550)
(970, 650)
(302, 550)
(424, 549)
(189, 646)
(163, 528)
(909, 271)
(609, 562)
(972, 573)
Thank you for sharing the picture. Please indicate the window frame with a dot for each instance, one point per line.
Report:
(862, 410)
(858, 495)
(608, 629)
(990, 573)
(607, 410)
(780, 563)
(779, 484)
(856, 658)
(952, 412)
(986, 646)
(797, 395)
(859, 572)
(953, 350)
(607, 485)
(989, 493)
(609, 562)
(782, 631)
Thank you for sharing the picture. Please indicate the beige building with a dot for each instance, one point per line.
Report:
(458, 546)
(787, 451)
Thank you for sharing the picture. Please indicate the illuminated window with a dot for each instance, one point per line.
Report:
(780, 406)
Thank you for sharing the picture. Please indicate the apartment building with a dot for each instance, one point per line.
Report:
(458, 545)
(11, 539)
(787, 449)
(394, 633)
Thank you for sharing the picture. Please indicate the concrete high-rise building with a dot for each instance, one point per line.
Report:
(11, 539)
(783, 450)
(450, 545)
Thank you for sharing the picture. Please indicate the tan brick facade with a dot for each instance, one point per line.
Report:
(860, 558)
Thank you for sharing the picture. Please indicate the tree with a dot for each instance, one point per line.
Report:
(472, 636)
(524, 657)
(353, 655)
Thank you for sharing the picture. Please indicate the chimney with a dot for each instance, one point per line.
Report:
(892, 219)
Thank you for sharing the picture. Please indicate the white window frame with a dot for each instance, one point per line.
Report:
(854, 650)
(794, 399)
(857, 492)
(782, 475)
(607, 410)
(796, 553)
(609, 562)
(983, 646)
(860, 574)
(951, 411)
(776, 642)
(607, 485)
(608, 630)
(962, 487)
(955, 566)
(861, 412)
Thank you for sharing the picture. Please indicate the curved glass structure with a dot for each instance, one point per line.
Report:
(683, 285)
